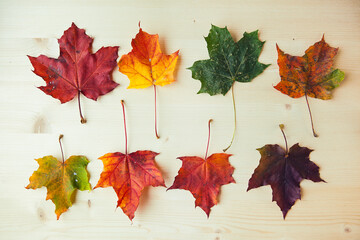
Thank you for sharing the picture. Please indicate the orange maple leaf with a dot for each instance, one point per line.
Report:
(146, 65)
(129, 174)
(312, 74)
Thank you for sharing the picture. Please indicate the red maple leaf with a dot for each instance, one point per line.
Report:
(77, 70)
(129, 174)
(203, 177)
(283, 170)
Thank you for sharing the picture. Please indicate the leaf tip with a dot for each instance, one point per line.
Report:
(131, 217)
(206, 209)
(32, 60)
(284, 212)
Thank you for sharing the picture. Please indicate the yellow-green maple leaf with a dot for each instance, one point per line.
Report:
(61, 179)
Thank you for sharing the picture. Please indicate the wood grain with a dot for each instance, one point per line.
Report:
(31, 121)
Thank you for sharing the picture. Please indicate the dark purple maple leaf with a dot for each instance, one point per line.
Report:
(283, 170)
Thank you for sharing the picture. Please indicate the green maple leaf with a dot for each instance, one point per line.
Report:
(229, 61)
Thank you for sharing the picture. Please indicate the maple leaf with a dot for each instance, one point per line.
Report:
(146, 65)
(229, 61)
(61, 179)
(77, 70)
(283, 170)
(311, 75)
(129, 174)
(203, 177)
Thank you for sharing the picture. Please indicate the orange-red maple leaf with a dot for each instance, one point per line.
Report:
(128, 174)
(146, 65)
(203, 178)
(77, 70)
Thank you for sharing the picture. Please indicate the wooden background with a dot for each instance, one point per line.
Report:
(31, 121)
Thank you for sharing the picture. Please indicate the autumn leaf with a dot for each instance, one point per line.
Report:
(61, 179)
(77, 70)
(311, 75)
(229, 61)
(129, 174)
(203, 177)
(146, 65)
(283, 170)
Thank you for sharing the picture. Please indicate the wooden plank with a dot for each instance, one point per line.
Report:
(31, 121)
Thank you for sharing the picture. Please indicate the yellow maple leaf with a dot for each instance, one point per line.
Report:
(146, 65)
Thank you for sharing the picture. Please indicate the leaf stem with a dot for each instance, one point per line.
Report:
(282, 130)
(312, 124)
(156, 133)
(62, 152)
(126, 143)
(207, 146)
(83, 120)
(233, 100)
